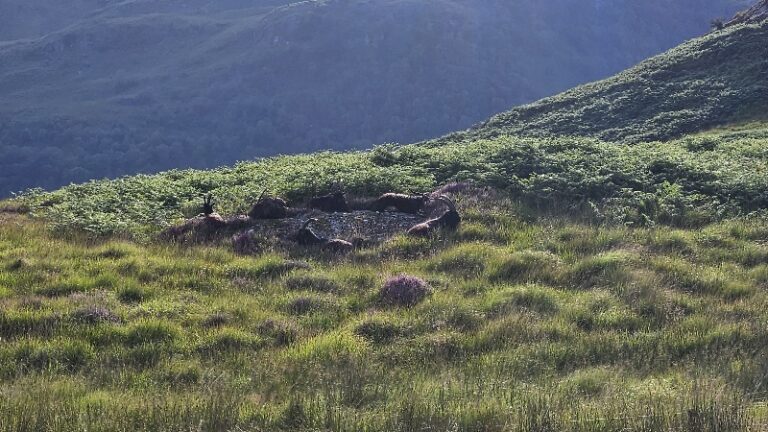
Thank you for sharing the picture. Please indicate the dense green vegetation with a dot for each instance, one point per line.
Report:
(592, 286)
(715, 80)
(686, 182)
(120, 87)
(533, 323)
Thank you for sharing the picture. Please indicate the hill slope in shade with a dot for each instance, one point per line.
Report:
(25, 19)
(140, 86)
(716, 80)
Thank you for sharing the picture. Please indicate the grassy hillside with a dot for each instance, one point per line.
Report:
(144, 86)
(714, 80)
(531, 323)
(689, 181)
(592, 286)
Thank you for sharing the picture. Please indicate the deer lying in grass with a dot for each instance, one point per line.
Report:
(413, 204)
(307, 237)
(449, 220)
(269, 207)
(332, 203)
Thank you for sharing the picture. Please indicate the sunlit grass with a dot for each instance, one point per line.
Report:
(528, 325)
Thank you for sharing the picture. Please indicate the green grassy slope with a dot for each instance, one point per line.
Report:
(714, 80)
(533, 324)
(688, 181)
(592, 287)
(145, 86)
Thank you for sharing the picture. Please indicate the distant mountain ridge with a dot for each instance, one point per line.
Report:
(120, 87)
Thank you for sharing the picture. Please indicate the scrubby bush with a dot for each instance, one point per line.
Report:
(404, 290)
(671, 182)
(304, 305)
(217, 319)
(281, 332)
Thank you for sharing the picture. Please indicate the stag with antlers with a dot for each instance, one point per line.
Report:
(449, 220)
(269, 207)
(307, 237)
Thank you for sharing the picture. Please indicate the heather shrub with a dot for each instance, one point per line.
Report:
(404, 290)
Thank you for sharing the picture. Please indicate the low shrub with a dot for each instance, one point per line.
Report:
(404, 290)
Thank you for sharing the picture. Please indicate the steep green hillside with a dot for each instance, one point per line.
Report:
(592, 286)
(143, 86)
(686, 182)
(560, 304)
(719, 79)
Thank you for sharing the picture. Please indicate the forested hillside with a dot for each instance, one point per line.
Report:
(108, 88)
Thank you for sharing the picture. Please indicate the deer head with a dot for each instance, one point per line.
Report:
(208, 205)
(447, 201)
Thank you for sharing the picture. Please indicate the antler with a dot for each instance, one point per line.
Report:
(208, 204)
(262, 195)
(309, 221)
(447, 201)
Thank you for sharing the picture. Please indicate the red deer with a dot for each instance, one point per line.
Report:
(413, 204)
(269, 207)
(208, 205)
(307, 237)
(449, 220)
(332, 203)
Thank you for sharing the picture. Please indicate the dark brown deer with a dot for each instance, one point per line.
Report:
(331, 203)
(307, 237)
(269, 207)
(208, 205)
(449, 220)
(412, 204)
